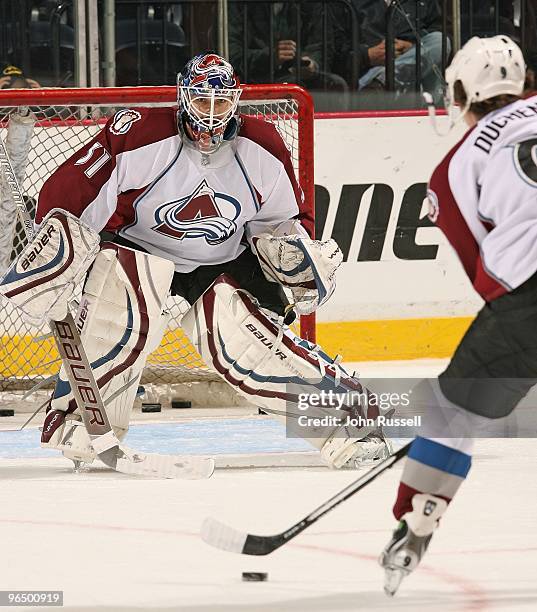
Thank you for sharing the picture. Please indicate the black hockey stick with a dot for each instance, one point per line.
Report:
(227, 538)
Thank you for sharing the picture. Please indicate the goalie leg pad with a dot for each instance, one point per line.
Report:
(121, 321)
(269, 365)
(42, 279)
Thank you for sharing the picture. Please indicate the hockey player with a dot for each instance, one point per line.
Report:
(482, 196)
(215, 193)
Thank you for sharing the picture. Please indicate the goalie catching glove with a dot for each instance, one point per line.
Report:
(304, 266)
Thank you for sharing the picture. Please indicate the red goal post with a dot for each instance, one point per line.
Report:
(67, 118)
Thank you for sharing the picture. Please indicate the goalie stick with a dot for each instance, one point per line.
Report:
(86, 391)
(222, 536)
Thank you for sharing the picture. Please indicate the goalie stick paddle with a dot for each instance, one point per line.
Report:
(222, 536)
(86, 390)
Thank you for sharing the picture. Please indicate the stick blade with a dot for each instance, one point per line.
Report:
(227, 538)
(166, 466)
(222, 536)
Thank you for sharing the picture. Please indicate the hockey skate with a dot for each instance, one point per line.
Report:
(66, 433)
(410, 540)
(401, 556)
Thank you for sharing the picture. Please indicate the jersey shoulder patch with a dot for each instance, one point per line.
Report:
(433, 206)
(132, 128)
(123, 120)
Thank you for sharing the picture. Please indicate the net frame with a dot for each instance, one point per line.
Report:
(283, 105)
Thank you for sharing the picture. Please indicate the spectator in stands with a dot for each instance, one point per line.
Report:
(409, 17)
(13, 78)
(296, 50)
(489, 19)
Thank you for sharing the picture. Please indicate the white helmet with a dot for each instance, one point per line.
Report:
(486, 67)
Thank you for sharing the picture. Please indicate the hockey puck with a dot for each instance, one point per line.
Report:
(181, 404)
(151, 407)
(254, 576)
(7, 412)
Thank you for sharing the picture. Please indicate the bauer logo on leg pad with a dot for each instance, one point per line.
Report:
(264, 340)
(41, 280)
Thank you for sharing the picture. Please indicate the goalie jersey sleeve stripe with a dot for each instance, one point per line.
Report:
(127, 156)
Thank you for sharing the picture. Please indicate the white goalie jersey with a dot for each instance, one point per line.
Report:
(138, 178)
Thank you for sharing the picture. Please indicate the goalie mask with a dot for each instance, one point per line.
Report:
(208, 92)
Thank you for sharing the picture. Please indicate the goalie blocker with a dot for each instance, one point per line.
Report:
(260, 357)
(42, 279)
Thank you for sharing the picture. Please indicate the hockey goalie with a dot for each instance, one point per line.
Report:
(213, 192)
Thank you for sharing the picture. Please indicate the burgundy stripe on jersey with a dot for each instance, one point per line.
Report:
(266, 135)
(155, 124)
(486, 285)
(450, 219)
(124, 214)
(452, 223)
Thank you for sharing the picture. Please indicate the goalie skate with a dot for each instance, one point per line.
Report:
(369, 450)
(66, 433)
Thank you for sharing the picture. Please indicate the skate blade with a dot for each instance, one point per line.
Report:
(392, 580)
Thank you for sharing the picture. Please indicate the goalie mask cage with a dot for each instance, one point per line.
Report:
(63, 120)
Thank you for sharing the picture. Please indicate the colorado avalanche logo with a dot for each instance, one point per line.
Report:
(123, 120)
(432, 201)
(205, 213)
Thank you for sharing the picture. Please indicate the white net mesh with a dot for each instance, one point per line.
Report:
(27, 354)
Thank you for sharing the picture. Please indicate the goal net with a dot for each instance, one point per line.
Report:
(59, 123)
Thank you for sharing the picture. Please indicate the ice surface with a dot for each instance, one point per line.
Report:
(215, 436)
(118, 543)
